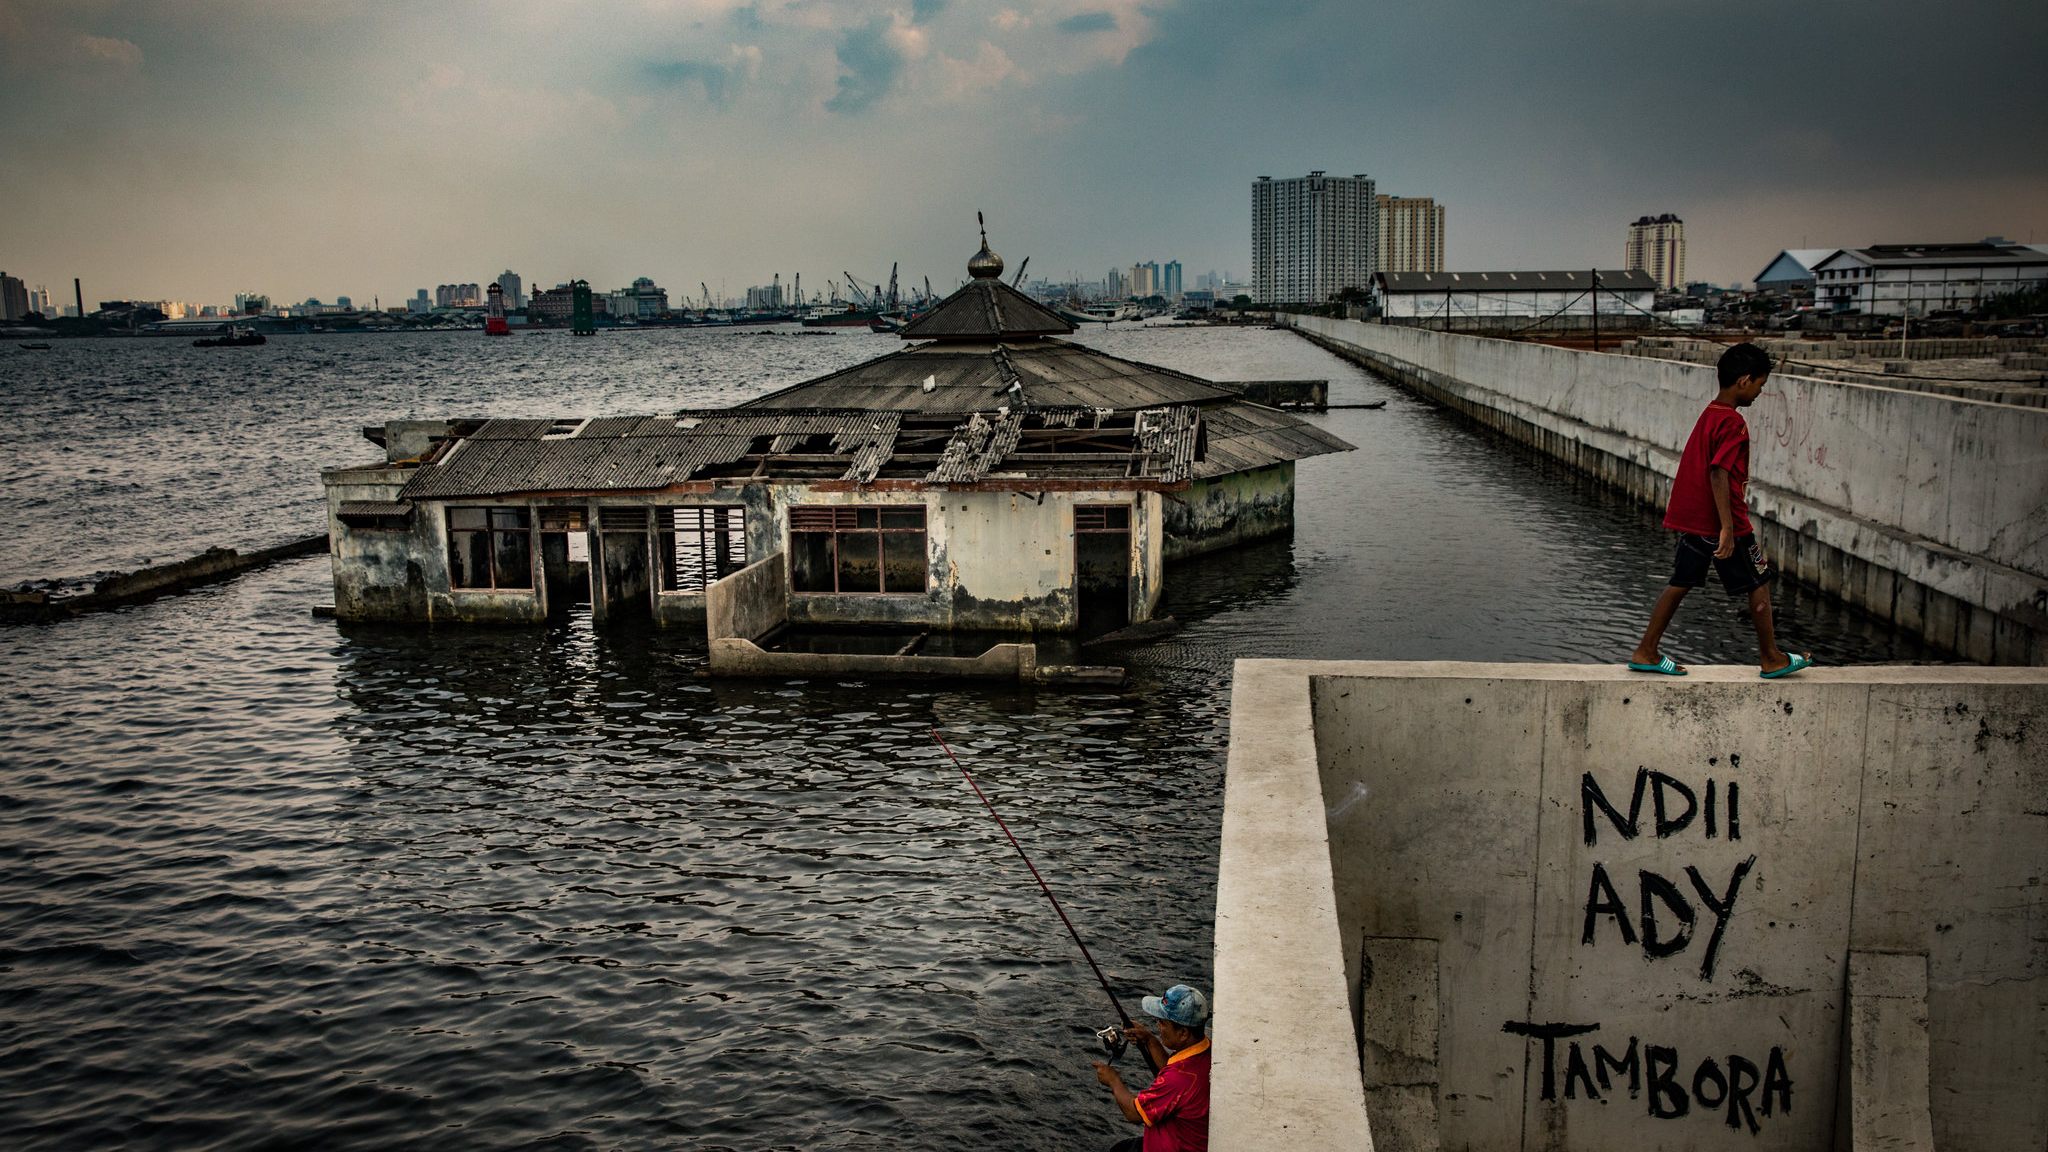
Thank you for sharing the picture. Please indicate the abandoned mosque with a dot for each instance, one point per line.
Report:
(987, 477)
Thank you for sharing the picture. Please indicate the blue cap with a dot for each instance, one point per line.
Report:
(1181, 1004)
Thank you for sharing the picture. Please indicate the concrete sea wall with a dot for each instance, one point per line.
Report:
(1930, 511)
(1545, 906)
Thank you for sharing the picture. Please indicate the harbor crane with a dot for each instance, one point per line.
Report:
(1019, 281)
(708, 305)
(854, 287)
(892, 284)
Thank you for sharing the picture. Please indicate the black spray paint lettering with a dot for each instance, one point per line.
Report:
(1741, 1093)
(1664, 791)
(1670, 935)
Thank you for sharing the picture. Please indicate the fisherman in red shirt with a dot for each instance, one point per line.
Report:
(1710, 514)
(1175, 1109)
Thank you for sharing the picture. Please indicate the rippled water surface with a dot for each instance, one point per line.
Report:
(268, 881)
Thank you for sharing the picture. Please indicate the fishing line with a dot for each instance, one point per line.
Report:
(1121, 1015)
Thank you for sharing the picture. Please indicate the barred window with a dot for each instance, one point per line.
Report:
(856, 548)
(489, 548)
(699, 546)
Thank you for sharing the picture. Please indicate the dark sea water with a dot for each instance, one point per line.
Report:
(269, 881)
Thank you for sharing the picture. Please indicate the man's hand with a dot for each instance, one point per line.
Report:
(1137, 1031)
(1107, 1076)
(1727, 545)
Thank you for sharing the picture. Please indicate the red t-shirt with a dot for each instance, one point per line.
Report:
(1176, 1106)
(1719, 440)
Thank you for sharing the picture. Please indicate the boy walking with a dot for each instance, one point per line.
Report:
(1710, 513)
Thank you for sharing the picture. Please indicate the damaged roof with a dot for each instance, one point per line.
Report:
(1158, 448)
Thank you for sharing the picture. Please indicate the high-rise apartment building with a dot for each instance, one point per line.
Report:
(1411, 234)
(1116, 286)
(1312, 236)
(1656, 244)
(1145, 279)
(1170, 286)
(13, 297)
(515, 296)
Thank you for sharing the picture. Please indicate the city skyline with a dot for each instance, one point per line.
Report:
(369, 152)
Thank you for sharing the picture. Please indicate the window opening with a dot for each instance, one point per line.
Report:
(862, 549)
(490, 549)
(700, 545)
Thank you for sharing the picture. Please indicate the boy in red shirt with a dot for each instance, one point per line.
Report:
(1711, 517)
(1175, 1109)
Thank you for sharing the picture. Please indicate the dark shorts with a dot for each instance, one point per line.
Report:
(1740, 574)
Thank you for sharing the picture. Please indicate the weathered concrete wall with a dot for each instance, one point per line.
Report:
(1930, 511)
(998, 561)
(749, 603)
(1669, 874)
(1229, 510)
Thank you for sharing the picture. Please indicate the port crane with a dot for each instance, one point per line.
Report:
(854, 287)
(708, 305)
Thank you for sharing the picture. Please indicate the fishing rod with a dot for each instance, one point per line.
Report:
(1121, 1015)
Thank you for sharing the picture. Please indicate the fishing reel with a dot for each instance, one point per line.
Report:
(1113, 1042)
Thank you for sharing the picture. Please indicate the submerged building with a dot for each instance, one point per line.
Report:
(988, 476)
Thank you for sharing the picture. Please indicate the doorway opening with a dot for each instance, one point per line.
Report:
(564, 560)
(1102, 567)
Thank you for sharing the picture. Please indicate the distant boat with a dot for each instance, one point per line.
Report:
(1097, 313)
(239, 338)
(37, 347)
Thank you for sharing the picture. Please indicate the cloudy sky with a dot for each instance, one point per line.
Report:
(190, 150)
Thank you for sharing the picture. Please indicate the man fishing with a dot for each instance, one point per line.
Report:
(1175, 1108)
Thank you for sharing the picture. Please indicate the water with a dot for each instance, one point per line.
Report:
(270, 881)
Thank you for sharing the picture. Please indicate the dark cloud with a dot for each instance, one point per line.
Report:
(869, 65)
(746, 18)
(923, 10)
(1089, 22)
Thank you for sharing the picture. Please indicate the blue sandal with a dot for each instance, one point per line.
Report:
(1793, 665)
(1664, 667)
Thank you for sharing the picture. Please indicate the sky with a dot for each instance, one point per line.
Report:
(194, 149)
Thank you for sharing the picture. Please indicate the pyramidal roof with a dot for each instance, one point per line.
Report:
(987, 309)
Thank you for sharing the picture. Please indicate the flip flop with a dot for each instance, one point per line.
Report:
(1795, 664)
(1664, 667)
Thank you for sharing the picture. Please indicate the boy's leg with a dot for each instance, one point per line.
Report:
(1660, 619)
(1766, 629)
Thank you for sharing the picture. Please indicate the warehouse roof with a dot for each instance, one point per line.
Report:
(1611, 280)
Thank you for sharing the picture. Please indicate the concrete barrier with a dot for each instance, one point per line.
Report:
(732, 656)
(1536, 906)
(1930, 511)
(749, 603)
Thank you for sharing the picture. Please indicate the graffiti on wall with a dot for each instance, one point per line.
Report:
(1738, 1088)
(1666, 918)
(1776, 418)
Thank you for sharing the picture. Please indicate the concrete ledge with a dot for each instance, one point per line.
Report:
(1888, 1053)
(734, 656)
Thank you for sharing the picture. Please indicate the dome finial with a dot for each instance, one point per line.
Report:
(985, 265)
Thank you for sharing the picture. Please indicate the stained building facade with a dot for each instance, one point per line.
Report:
(1312, 236)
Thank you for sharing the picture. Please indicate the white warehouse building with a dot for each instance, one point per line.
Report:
(1422, 299)
(1920, 279)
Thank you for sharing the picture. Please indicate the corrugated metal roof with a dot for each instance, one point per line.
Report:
(360, 510)
(968, 378)
(1611, 280)
(1244, 436)
(978, 447)
(987, 309)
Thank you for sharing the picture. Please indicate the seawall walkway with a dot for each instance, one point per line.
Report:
(1926, 510)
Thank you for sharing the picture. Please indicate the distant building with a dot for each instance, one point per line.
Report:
(40, 303)
(644, 301)
(1918, 279)
(1312, 236)
(1656, 244)
(459, 296)
(420, 303)
(13, 297)
(1115, 286)
(1144, 280)
(251, 304)
(1170, 285)
(344, 303)
(1487, 299)
(766, 298)
(514, 289)
(559, 303)
(1792, 270)
(1411, 234)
